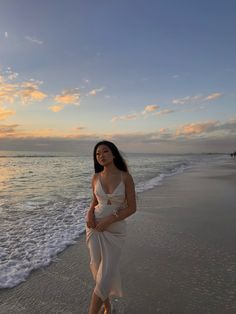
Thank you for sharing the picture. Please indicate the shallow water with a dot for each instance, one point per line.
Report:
(44, 197)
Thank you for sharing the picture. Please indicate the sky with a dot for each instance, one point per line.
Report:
(154, 76)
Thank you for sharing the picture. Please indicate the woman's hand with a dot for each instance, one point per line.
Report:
(90, 221)
(103, 224)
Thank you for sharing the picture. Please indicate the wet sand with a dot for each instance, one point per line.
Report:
(179, 257)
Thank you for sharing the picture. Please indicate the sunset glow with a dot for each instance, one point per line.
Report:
(152, 78)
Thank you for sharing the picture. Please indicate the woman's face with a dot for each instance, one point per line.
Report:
(104, 155)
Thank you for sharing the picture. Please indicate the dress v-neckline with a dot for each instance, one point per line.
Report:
(113, 190)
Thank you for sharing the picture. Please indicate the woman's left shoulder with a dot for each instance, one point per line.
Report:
(126, 176)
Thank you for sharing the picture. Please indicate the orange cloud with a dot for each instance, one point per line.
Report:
(5, 113)
(196, 128)
(8, 92)
(67, 97)
(29, 92)
(192, 134)
(56, 108)
(13, 131)
(150, 108)
(70, 97)
(26, 92)
(8, 130)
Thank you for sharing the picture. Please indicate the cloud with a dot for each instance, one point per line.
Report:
(213, 96)
(8, 92)
(150, 108)
(163, 112)
(29, 92)
(6, 34)
(208, 127)
(195, 99)
(5, 113)
(128, 117)
(8, 75)
(8, 130)
(159, 136)
(13, 76)
(136, 142)
(26, 92)
(195, 128)
(15, 131)
(208, 136)
(56, 108)
(69, 97)
(227, 127)
(94, 92)
(34, 40)
(186, 100)
(187, 132)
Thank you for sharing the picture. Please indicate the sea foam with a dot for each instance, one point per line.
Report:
(34, 240)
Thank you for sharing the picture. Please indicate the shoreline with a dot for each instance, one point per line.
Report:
(182, 261)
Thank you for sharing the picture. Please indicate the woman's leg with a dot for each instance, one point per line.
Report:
(107, 306)
(95, 304)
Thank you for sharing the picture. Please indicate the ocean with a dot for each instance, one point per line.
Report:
(44, 198)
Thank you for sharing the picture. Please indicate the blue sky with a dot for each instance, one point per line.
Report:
(152, 76)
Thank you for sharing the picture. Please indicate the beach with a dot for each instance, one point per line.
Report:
(179, 255)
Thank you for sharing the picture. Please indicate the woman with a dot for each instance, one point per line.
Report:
(113, 201)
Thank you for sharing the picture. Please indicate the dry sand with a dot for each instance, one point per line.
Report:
(179, 257)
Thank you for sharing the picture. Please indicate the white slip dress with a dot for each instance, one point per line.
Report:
(105, 247)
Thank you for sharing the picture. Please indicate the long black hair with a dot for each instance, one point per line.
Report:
(118, 159)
